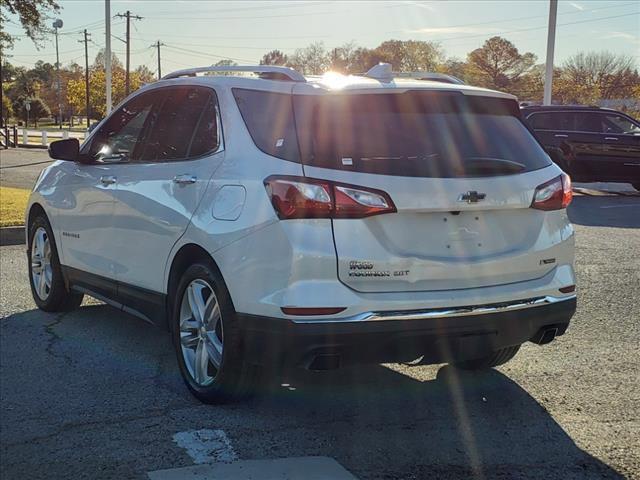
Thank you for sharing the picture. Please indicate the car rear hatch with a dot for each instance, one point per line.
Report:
(460, 171)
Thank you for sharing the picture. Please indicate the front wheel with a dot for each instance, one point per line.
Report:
(207, 338)
(45, 274)
(498, 357)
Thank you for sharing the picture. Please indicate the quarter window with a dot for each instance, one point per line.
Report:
(269, 119)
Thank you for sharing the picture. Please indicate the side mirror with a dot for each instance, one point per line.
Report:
(68, 149)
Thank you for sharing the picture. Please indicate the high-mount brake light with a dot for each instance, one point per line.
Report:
(301, 197)
(555, 194)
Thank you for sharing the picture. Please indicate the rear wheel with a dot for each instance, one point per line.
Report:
(498, 357)
(207, 338)
(45, 274)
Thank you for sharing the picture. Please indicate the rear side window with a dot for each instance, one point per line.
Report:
(269, 119)
(416, 133)
(184, 125)
(552, 121)
(588, 122)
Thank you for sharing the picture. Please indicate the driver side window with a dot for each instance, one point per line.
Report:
(118, 139)
(617, 124)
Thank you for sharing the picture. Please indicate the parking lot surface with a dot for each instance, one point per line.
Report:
(96, 393)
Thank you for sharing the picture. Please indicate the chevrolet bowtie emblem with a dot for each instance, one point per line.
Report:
(471, 197)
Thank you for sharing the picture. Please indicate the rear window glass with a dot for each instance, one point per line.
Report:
(269, 119)
(429, 134)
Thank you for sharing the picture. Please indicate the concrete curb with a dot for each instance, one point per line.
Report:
(12, 236)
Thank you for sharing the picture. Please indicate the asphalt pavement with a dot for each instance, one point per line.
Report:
(96, 393)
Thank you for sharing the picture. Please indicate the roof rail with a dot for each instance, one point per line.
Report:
(384, 72)
(273, 71)
(432, 76)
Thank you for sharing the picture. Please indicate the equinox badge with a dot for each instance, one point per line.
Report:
(471, 197)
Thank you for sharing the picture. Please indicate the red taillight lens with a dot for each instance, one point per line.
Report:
(301, 197)
(555, 194)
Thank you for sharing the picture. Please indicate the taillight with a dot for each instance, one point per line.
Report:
(555, 194)
(301, 197)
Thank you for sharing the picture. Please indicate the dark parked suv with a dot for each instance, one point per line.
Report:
(589, 143)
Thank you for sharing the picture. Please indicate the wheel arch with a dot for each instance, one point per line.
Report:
(187, 255)
(34, 210)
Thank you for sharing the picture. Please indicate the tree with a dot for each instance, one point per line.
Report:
(604, 75)
(32, 14)
(145, 74)
(99, 61)
(312, 60)
(499, 65)
(38, 110)
(75, 91)
(411, 55)
(274, 57)
(455, 67)
(7, 108)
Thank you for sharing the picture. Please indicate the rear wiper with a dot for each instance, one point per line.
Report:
(492, 164)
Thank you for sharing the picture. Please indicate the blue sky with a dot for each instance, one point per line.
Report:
(202, 32)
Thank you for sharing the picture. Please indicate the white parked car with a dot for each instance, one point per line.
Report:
(278, 219)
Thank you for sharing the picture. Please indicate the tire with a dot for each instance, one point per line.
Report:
(499, 357)
(47, 283)
(222, 376)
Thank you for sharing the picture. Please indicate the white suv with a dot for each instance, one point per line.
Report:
(281, 220)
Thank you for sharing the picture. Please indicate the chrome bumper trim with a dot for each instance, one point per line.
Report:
(443, 312)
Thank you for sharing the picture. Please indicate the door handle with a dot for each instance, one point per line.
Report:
(611, 138)
(561, 135)
(108, 180)
(185, 179)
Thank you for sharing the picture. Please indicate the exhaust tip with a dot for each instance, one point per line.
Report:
(546, 336)
(325, 362)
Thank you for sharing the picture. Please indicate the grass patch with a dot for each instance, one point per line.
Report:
(13, 203)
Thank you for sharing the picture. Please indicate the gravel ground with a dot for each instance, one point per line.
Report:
(96, 393)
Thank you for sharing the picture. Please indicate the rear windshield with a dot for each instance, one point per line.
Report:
(428, 134)
(416, 133)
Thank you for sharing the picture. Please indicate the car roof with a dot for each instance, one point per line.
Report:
(330, 82)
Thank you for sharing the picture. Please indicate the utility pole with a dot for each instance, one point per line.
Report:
(86, 71)
(56, 25)
(551, 41)
(158, 45)
(107, 52)
(128, 16)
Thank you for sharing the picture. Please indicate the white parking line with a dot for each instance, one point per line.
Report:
(206, 446)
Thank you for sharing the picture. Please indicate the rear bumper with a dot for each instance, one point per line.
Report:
(439, 335)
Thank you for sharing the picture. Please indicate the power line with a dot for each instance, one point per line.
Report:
(536, 28)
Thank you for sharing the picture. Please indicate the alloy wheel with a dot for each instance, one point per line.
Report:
(41, 271)
(201, 332)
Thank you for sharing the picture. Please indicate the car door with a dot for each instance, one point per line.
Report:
(621, 147)
(159, 190)
(568, 143)
(86, 211)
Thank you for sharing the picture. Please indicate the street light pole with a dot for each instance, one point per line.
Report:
(56, 25)
(551, 40)
(107, 53)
